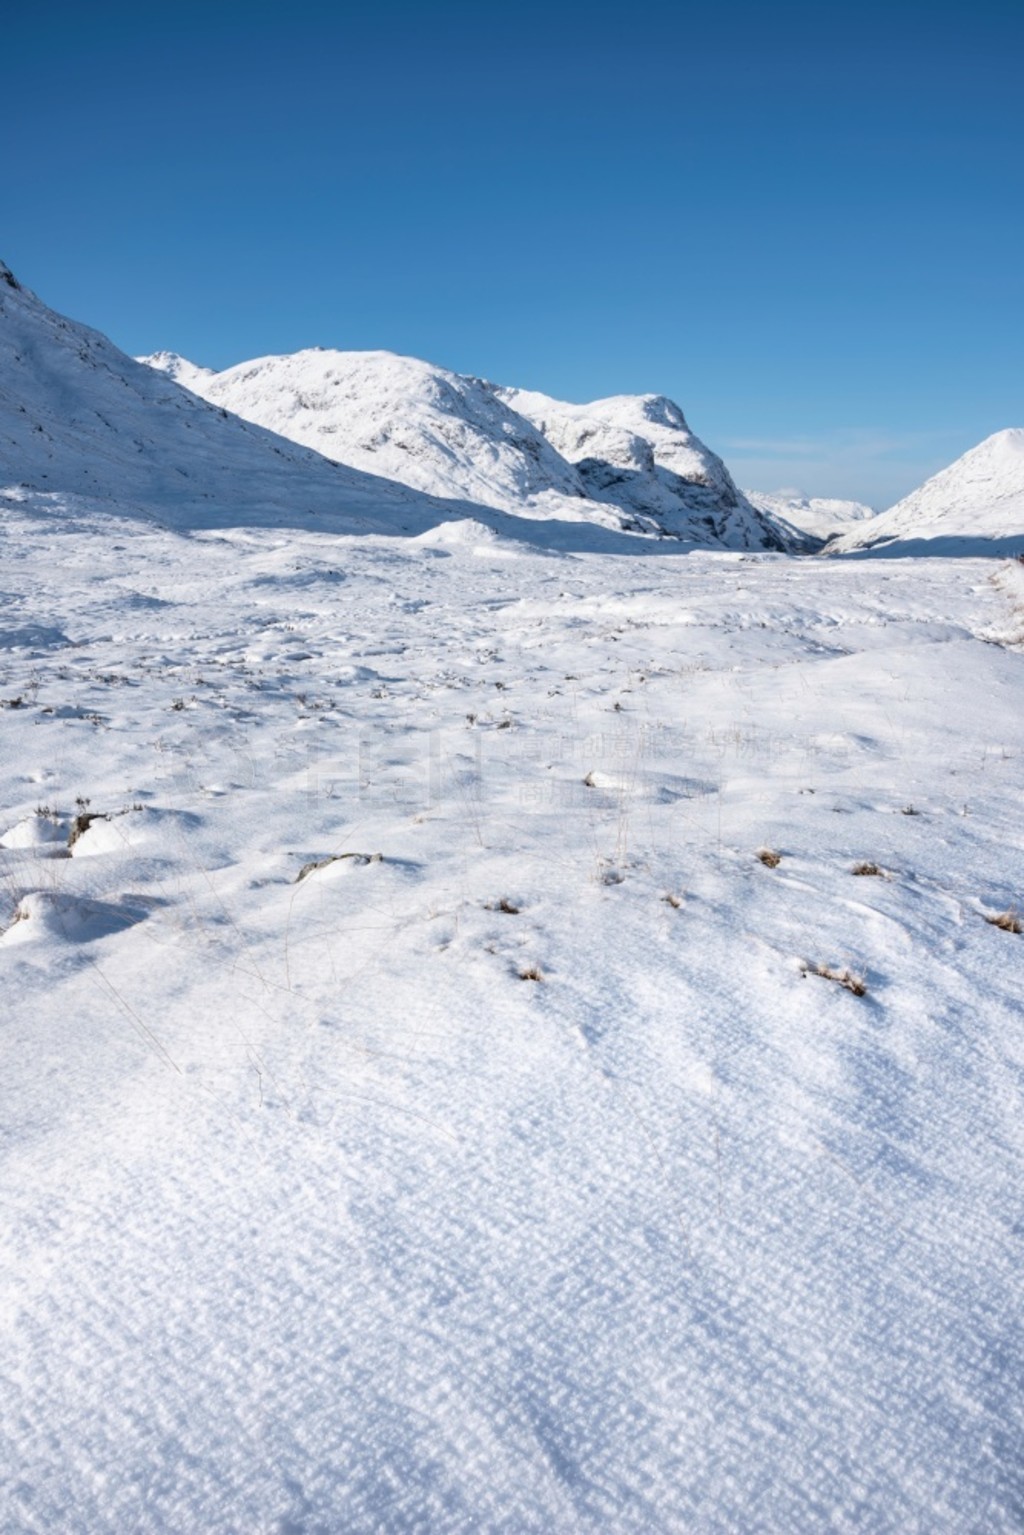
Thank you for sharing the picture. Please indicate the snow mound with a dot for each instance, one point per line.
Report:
(55, 917)
(42, 833)
(468, 533)
(973, 507)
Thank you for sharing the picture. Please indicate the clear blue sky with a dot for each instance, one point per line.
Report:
(803, 222)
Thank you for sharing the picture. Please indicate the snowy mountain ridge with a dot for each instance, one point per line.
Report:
(79, 418)
(629, 461)
(434, 430)
(188, 374)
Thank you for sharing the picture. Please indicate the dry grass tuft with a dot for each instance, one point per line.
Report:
(848, 979)
(325, 863)
(508, 907)
(1007, 920)
(83, 820)
(769, 857)
(870, 870)
(531, 973)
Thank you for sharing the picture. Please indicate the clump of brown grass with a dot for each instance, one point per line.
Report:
(531, 973)
(1007, 920)
(868, 869)
(846, 978)
(769, 857)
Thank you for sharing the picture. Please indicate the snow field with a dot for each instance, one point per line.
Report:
(324, 1214)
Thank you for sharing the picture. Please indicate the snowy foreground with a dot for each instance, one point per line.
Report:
(515, 1171)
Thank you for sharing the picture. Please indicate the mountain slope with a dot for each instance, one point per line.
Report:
(78, 417)
(436, 431)
(975, 506)
(629, 462)
(637, 452)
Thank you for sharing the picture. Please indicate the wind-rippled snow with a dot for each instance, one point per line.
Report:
(322, 1214)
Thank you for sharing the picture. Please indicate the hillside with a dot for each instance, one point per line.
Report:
(637, 452)
(630, 463)
(78, 417)
(975, 506)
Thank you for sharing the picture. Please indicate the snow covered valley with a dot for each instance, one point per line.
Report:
(455, 1077)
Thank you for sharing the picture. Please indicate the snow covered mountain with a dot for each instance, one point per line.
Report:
(975, 506)
(820, 517)
(629, 462)
(637, 452)
(78, 417)
(189, 375)
(436, 431)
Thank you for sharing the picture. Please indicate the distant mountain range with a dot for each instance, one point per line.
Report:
(375, 442)
(820, 517)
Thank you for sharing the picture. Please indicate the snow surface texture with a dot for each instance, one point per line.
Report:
(627, 463)
(975, 506)
(323, 1213)
(822, 517)
(531, 1163)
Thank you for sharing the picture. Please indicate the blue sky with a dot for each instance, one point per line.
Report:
(803, 222)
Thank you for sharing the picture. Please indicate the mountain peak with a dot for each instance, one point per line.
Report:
(974, 505)
(187, 374)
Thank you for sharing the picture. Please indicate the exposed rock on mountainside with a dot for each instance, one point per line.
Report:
(637, 452)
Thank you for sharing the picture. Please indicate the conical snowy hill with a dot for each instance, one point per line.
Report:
(975, 506)
(629, 462)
